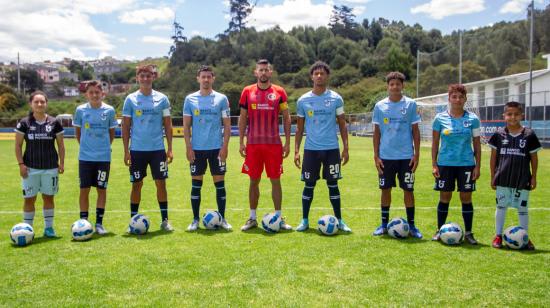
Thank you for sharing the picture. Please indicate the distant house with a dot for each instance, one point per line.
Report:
(68, 75)
(71, 91)
(48, 74)
(107, 66)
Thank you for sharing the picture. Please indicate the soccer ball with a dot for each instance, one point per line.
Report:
(82, 230)
(328, 225)
(139, 224)
(515, 237)
(271, 222)
(451, 234)
(22, 234)
(212, 220)
(398, 228)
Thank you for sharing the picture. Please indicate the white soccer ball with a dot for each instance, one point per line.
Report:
(451, 234)
(22, 234)
(271, 222)
(82, 230)
(139, 224)
(398, 228)
(515, 237)
(328, 225)
(212, 220)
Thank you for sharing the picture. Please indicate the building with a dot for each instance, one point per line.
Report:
(106, 66)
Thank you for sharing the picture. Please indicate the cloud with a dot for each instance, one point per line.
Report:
(357, 1)
(291, 13)
(157, 40)
(143, 16)
(161, 27)
(515, 6)
(439, 9)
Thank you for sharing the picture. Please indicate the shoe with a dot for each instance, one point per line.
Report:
(165, 225)
(414, 232)
(49, 232)
(303, 226)
(437, 236)
(250, 223)
(381, 230)
(100, 230)
(342, 226)
(497, 241)
(529, 246)
(469, 237)
(193, 226)
(284, 225)
(226, 226)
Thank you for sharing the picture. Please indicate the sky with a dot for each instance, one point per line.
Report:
(131, 29)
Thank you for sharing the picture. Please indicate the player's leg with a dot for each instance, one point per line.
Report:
(197, 168)
(503, 199)
(253, 166)
(406, 182)
(49, 182)
(138, 171)
(523, 214)
(101, 180)
(86, 177)
(253, 198)
(466, 185)
(273, 155)
(159, 171)
(311, 167)
(332, 173)
(30, 186)
(445, 184)
(217, 170)
(386, 181)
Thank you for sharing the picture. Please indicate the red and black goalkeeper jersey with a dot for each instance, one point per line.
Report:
(40, 137)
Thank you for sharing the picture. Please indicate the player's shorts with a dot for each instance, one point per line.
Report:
(329, 159)
(94, 173)
(399, 168)
(462, 175)
(512, 197)
(45, 181)
(210, 158)
(155, 159)
(260, 155)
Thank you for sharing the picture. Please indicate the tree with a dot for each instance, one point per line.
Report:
(342, 22)
(75, 67)
(30, 80)
(398, 60)
(239, 10)
(177, 37)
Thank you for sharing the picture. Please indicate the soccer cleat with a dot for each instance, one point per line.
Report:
(414, 232)
(437, 236)
(193, 226)
(303, 226)
(469, 237)
(342, 226)
(529, 246)
(226, 226)
(100, 230)
(381, 230)
(284, 225)
(49, 232)
(497, 241)
(165, 225)
(250, 223)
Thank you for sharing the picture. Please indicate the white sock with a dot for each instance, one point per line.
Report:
(253, 214)
(28, 217)
(279, 213)
(48, 218)
(523, 218)
(500, 216)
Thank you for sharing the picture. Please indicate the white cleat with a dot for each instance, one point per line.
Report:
(165, 225)
(193, 226)
(100, 230)
(226, 226)
(284, 225)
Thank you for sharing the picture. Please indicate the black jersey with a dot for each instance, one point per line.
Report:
(513, 167)
(40, 137)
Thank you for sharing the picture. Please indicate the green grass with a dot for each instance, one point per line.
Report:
(258, 269)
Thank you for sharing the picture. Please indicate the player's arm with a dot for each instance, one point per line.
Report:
(286, 127)
(493, 165)
(111, 135)
(61, 151)
(376, 147)
(226, 137)
(435, 151)
(167, 121)
(187, 120)
(416, 142)
(19, 138)
(534, 168)
(126, 124)
(77, 133)
(300, 122)
(243, 118)
(344, 135)
(477, 155)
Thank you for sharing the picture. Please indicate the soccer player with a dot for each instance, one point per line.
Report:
(396, 148)
(94, 124)
(40, 164)
(145, 113)
(203, 113)
(261, 104)
(319, 110)
(514, 164)
(455, 161)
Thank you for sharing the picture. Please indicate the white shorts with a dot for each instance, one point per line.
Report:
(45, 181)
(511, 197)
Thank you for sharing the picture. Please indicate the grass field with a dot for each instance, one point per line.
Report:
(213, 268)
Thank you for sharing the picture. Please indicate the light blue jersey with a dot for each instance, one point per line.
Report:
(147, 113)
(456, 138)
(319, 112)
(94, 123)
(206, 113)
(395, 120)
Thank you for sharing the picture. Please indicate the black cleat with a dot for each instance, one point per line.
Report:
(469, 237)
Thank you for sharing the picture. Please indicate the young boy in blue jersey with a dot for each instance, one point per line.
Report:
(146, 119)
(203, 113)
(94, 124)
(455, 161)
(396, 143)
(318, 111)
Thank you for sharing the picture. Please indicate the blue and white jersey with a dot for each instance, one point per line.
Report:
(95, 123)
(319, 112)
(395, 120)
(456, 138)
(147, 113)
(206, 113)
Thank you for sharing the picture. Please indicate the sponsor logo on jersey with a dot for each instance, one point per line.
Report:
(253, 106)
(386, 120)
(505, 142)
(87, 125)
(197, 112)
(139, 112)
(32, 128)
(446, 132)
(310, 113)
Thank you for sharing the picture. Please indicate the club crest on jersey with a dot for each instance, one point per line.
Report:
(386, 120)
(19, 125)
(328, 102)
(139, 112)
(522, 143)
(404, 110)
(271, 96)
(467, 123)
(310, 113)
(197, 112)
(104, 116)
(48, 128)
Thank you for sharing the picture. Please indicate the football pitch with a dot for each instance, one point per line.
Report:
(217, 268)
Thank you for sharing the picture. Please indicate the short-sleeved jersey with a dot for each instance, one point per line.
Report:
(456, 138)
(263, 106)
(40, 137)
(94, 123)
(395, 120)
(147, 113)
(514, 157)
(319, 113)
(206, 113)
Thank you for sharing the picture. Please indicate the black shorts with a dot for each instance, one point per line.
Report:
(93, 173)
(210, 158)
(399, 167)
(461, 174)
(155, 159)
(311, 166)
